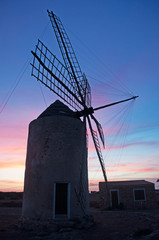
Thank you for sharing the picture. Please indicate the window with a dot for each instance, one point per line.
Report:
(139, 194)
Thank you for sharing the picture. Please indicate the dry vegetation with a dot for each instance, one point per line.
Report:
(109, 225)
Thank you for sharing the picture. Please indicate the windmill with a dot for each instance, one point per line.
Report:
(69, 83)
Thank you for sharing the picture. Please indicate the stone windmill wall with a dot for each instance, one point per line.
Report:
(56, 175)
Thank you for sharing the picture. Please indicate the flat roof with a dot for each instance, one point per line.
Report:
(131, 182)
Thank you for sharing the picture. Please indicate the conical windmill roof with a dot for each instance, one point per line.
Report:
(57, 108)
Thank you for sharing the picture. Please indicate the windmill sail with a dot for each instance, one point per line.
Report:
(100, 130)
(70, 59)
(65, 46)
(98, 149)
(53, 74)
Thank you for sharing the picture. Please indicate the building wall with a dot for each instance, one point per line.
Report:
(56, 153)
(157, 196)
(126, 195)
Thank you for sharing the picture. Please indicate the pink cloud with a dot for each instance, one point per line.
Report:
(9, 185)
(9, 150)
(12, 163)
(144, 143)
(134, 167)
(114, 147)
(135, 170)
(93, 185)
(13, 132)
(125, 169)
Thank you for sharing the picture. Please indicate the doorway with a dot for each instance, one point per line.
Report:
(61, 200)
(114, 195)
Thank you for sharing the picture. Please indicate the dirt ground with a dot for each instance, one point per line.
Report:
(109, 225)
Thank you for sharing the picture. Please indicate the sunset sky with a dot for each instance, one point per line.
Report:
(117, 45)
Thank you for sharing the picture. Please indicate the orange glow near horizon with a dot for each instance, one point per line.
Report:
(12, 165)
(12, 174)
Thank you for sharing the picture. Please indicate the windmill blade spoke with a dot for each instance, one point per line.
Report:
(98, 149)
(70, 59)
(115, 103)
(53, 74)
(100, 130)
(65, 46)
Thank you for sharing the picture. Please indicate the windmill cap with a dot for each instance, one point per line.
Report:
(57, 108)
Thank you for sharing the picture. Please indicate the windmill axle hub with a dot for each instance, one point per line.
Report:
(86, 111)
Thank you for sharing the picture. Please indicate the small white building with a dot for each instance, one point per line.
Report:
(136, 194)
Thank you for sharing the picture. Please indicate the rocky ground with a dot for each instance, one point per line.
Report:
(108, 225)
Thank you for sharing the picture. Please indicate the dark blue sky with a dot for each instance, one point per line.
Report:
(116, 42)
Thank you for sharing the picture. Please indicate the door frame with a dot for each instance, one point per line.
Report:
(114, 190)
(68, 199)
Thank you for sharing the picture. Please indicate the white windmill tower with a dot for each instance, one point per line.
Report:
(56, 176)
